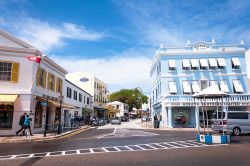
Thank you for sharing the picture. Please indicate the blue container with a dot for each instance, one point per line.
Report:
(208, 139)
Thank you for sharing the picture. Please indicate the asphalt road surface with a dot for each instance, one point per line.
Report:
(127, 147)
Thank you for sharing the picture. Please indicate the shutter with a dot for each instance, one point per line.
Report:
(48, 85)
(57, 84)
(15, 72)
(61, 86)
(44, 79)
(53, 83)
(37, 76)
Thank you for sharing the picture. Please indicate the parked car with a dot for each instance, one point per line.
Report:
(235, 122)
(115, 121)
(144, 118)
(125, 119)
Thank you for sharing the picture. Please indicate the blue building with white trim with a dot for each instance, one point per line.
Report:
(179, 72)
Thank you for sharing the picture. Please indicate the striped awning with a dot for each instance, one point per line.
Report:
(7, 98)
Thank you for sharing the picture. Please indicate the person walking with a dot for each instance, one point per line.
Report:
(21, 123)
(27, 124)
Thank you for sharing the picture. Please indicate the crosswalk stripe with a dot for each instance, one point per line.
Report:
(91, 150)
(77, 151)
(128, 147)
(140, 147)
(31, 155)
(160, 145)
(63, 152)
(151, 146)
(105, 150)
(179, 144)
(12, 156)
(117, 149)
(47, 154)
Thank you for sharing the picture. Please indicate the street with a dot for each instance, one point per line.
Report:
(118, 145)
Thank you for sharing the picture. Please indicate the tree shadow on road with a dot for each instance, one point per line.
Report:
(31, 161)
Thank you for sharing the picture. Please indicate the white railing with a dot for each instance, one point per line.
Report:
(188, 100)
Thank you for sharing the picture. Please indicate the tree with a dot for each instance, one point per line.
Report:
(133, 97)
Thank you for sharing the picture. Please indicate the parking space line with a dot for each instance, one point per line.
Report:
(140, 147)
(151, 146)
(91, 150)
(128, 148)
(78, 151)
(63, 152)
(31, 155)
(47, 154)
(105, 150)
(160, 145)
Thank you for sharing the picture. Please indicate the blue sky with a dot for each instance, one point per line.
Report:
(116, 39)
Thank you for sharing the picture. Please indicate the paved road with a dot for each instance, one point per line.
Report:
(115, 145)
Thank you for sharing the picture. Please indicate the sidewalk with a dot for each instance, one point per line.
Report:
(40, 137)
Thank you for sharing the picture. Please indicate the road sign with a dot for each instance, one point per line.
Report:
(44, 103)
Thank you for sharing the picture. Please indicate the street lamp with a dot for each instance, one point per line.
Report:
(61, 97)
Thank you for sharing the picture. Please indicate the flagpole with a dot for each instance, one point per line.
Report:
(34, 76)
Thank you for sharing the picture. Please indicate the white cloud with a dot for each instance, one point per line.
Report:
(117, 72)
(46, 36)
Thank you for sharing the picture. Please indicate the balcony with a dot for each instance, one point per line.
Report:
(188, 100)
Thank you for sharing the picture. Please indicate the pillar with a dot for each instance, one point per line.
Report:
(169, 116)
(197, 117)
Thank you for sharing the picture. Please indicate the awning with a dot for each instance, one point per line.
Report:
(194, 63)
(236, 61)
(221, 62)
(212, 62)
(56, 103)
(7, 98)
(224, 86)
(203, 63)
(172, 87)
(171, 63)
(196, 86)
(238, 86)
(186, 87)
(186, 63)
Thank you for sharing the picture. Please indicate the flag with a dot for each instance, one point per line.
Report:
(34, 58)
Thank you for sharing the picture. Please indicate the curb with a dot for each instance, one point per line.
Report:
(61, 136)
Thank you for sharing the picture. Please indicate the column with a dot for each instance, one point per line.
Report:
(170, 122)
(197, 117)
(164, 116)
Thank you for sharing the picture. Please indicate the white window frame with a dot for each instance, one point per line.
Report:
(204, 63)
(186, 87)
(235, 63)
(224, 86)
(196, 86)
(238, 88)
(221, 63)
(185, 64)
(171, 65)
(212, 63)
(172, 87)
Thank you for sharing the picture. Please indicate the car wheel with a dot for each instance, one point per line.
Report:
(236, 131)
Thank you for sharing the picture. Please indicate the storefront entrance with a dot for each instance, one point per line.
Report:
(181, 117)
(6, 116)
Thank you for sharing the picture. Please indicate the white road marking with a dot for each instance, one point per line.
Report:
(163, 145)
(117, 149)
(31, 155)
(128, 148)
(105, 150)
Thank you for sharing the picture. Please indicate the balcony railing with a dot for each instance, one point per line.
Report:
(188, 100)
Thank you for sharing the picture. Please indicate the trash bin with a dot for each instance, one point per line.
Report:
(156, 124)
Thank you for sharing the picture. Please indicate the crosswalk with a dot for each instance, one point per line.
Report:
(123, 148)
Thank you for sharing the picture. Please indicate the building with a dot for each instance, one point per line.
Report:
(80, 99)
(95, 87)
(179, 72)
(121, 107)
(28, 86)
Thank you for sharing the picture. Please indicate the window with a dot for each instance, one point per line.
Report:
(185, 64)
(75, 95)
(80, 97)
(195, 86)
(237, 86)
(51, 82)
(235, 63)
(213, 83)
(42, 78)
(203, 64)
(204, 84)
(95, 85)
(221, 63)
(87, 100)
(6, 116)
(238, 115)
(194, 64)
(5, 71)
(84, 98)
(9, 71)
(186, 87)
(212, 63)
(59, 85)
(224, 86)
(171, 64)
(172, 87)
(69, 92)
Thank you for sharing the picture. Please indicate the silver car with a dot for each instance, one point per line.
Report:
(116, 121)
(235, 122)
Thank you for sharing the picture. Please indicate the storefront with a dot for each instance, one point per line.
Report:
(183, 117)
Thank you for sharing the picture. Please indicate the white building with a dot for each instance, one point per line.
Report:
(26, 85)
(78, 98)
(95, 87)
(121, 107)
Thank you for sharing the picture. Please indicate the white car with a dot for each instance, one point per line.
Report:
(115, 121)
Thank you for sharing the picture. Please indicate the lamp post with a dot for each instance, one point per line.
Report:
(61, 97)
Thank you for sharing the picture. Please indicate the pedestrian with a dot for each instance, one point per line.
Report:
(21, 123)
(71, 119)
(27, 124)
